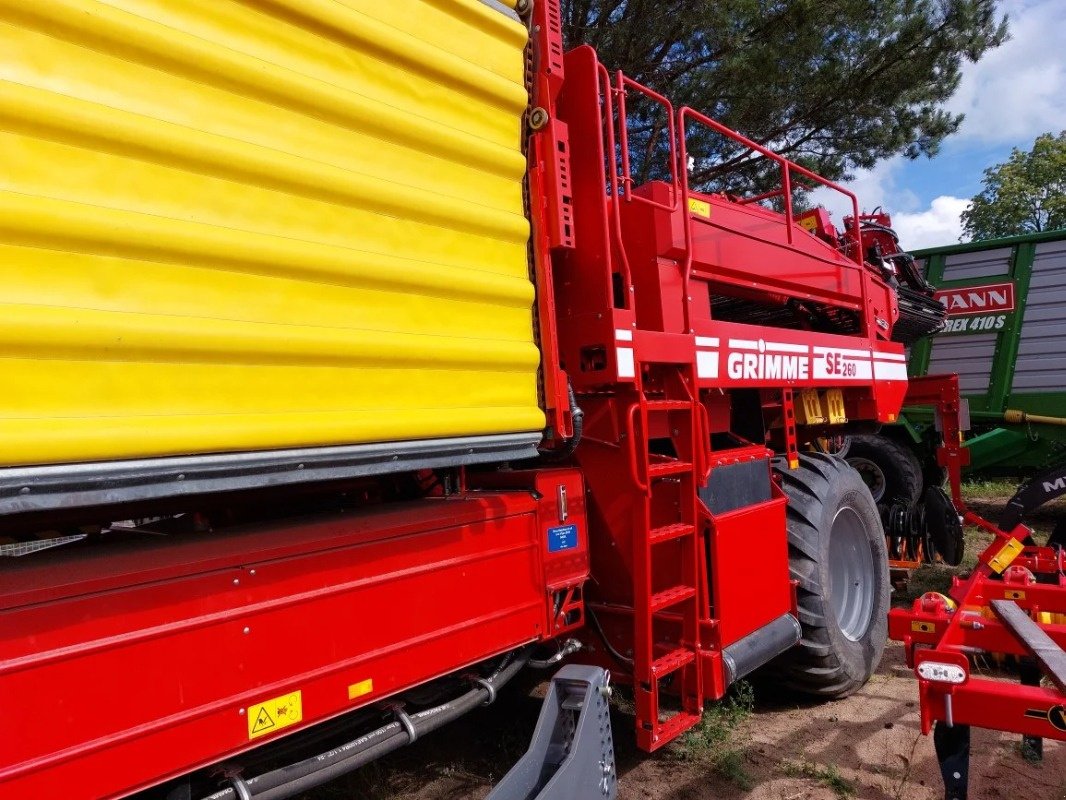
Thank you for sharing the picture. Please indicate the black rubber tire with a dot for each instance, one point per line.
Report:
(933, 475)
(828, 663)
(1058, 534)
(898, 465)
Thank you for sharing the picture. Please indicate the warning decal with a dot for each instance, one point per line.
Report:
(699, 208)
(274, 714)
(1056, 715)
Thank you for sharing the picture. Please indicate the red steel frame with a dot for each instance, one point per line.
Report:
(950, 629)
(659, 272)
(650, 364)
(550, 211)
(141, 658)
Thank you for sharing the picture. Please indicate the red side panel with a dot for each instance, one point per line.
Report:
(748, 593)
(124, 665)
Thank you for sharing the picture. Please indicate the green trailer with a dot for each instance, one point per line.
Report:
(1005, 337)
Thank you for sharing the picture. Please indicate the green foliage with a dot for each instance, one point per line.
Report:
(1025, 194)
(834, 86)
(711, 743)
(827, 776)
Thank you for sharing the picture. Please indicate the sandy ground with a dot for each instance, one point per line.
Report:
(868, 746)
(873, 741)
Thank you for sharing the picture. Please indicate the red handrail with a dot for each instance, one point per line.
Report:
(621, 186)
(685, 114)
(787, 168)
(627, 178)
(616, 214)
(631, 431)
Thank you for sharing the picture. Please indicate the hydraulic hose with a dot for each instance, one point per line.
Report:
(607, 642)
(565, 649)
(309, 773)
(578, 418)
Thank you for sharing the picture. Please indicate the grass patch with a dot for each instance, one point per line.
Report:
(828, 776)
(712, 743)
(989, 487)
(937, 577)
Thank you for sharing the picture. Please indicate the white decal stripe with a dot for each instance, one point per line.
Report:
(707, 341)
(786, 347)
(821, 351)
(706, 364)
(623, 334)
(626, 367)
(762, 345)
(890, 372)
(888, 356)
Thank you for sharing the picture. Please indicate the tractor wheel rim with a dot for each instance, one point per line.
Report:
(851, 571)
(871, 475)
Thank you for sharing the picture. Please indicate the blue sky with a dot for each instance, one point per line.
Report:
(1012, 95)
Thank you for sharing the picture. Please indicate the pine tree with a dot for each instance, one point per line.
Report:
(835, 85)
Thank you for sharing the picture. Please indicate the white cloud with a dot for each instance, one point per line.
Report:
(938, 225)
(873, 187)
(1009, 97)
(1017, 91)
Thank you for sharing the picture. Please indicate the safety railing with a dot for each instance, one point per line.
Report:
(611, 166)
(687, 114)
(623, 84)
(620, 182)
(620, 178)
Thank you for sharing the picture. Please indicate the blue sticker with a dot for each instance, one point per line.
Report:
(563, 537)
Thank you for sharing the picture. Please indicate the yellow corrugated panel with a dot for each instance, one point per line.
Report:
(251, 225)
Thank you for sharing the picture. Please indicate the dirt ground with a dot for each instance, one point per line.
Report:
(753, 746)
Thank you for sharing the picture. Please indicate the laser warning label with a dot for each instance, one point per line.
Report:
(275, 714)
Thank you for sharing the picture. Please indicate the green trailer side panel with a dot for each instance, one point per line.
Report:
(1008, 356)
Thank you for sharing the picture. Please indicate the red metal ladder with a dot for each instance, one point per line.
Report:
(664, 527)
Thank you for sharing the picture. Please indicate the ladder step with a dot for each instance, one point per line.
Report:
(663, 469)
(677, 725)
(666, 533)
(671, 597)
(668, 405)
(672, 662)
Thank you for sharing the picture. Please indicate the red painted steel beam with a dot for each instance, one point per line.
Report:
(950, 632)
(1029, 710)
(126, 664)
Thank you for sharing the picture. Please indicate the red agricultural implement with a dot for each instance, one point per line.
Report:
(1012, 604)
(347, 557)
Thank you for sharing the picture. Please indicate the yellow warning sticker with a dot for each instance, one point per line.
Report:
(923, 627)
(274, 714)
(810, 223)
(699, 208)
(1006, 554)
(359, 689)
(1014, 594)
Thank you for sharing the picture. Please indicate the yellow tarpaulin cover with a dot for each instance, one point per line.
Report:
(251, 225)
